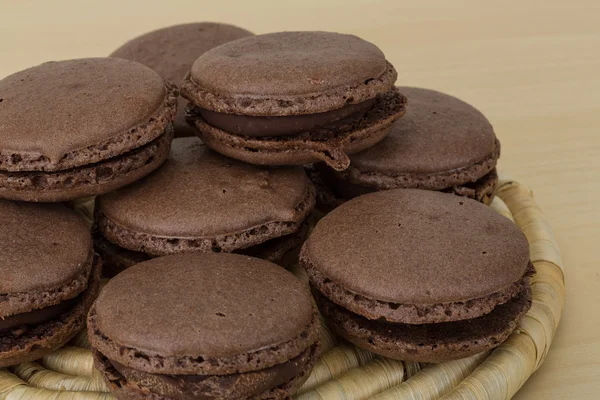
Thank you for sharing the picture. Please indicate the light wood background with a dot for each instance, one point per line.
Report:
(533, 67)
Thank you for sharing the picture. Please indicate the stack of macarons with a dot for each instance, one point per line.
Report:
(410, 263)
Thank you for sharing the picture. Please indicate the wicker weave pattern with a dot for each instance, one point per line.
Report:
(345, 372)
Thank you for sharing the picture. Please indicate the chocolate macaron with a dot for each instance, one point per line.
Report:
(442, 143)
(49, 278)
(199, 200)
(171, 51)
(293, 97)
(430, 276)
(81, 128)
(204, 326)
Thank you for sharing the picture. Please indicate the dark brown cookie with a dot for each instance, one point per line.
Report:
(418, 258)
(293, 97)
(171, 51)
(200, 200)
(81, 128)
(442, 144)
(253, 328)
(49, 279)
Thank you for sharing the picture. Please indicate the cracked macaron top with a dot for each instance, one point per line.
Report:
(66, 114)
(203, 313)
(415, 257)
(46, 256)
(201, 199)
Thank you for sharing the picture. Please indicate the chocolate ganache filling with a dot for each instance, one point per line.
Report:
(35, 317)
(217, 386)
(247, 125)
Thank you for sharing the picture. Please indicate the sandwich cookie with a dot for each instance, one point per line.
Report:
(430, 276)
(442, 144)
(171, 51)
(292, 98)
(49, 279)
(204, 326)
(199, 200)
(81, 128)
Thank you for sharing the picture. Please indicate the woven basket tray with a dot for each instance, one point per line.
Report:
(346, 372)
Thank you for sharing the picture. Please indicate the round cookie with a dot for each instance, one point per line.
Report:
(432, 277)
(442, 143)
(80, 128)
(199, 200)
(50, 278)
(171, 51)
(291, 98)
(221, 326)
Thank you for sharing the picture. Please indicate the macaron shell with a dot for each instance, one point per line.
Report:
(289, 64)
(418, 247)
(211, 313)
(44, 247)
(438, 133)
(58, 108)
(171, 51)
(198, 193)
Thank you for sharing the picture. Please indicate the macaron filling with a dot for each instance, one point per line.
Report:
(428, 342)
(329, 143)
(261, 126)
(242, 385)
(17, 324)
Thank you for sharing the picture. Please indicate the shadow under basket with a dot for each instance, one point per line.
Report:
(347, 372)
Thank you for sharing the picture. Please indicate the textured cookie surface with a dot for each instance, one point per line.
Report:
(418, 247)
(171, 51)
(65, 114)
(45, 255)
(211, 314)
(288, 73)
(199, 194)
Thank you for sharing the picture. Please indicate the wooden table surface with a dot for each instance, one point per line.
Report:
(533, 67)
